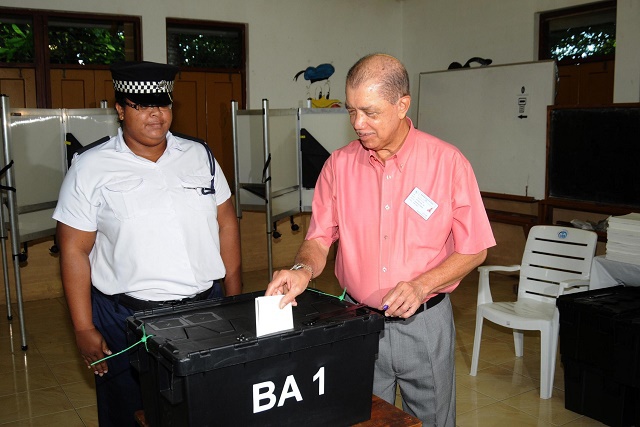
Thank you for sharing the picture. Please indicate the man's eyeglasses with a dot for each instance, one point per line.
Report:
(148, 108)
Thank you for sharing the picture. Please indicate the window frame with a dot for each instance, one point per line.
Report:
(172, 23)
(545, 17)
(40, 22)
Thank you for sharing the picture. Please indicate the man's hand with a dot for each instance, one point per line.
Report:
(289, 283)
(403, 300)
(93, 347)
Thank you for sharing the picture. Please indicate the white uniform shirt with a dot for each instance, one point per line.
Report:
(157, 234)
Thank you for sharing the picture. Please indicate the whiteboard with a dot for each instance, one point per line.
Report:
(497, 117)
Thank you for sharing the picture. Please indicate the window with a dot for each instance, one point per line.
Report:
(71, 39)
(16, 39)
(83, 42)
(38, 48)
(206, 44)
(579, 34)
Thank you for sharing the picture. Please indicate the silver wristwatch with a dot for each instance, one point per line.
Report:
(300, 266)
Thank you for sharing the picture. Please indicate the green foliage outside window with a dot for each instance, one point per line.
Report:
(85, 45)
(67, 45)
(16, 43)
(583, 42)
(205, 51)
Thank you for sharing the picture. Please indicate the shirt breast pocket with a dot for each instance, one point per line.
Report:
(198, 193)
(133, 198)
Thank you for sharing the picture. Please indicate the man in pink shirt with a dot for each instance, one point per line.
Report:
(406, 209)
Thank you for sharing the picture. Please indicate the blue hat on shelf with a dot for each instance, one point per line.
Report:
(143, 82)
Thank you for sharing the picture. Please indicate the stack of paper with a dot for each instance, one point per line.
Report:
(623, 238)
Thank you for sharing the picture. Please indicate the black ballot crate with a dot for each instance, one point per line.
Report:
(202, 364)
(590, 391)
(600, 351)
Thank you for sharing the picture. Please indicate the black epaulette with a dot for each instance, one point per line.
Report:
(93, 144)
(212, 165)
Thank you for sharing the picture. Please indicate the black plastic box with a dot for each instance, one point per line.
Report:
(600, 349)
(626, 350)
(590, 391)
(204, 365)
(590, 323)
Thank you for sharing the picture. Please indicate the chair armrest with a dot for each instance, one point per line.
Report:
(573, 283)
(484, 290)
(499, 268)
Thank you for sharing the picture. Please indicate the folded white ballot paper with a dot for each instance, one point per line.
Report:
(270, 318)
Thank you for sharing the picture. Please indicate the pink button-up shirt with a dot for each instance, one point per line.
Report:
(386, 237)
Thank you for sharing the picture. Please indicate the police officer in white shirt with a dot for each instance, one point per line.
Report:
(145, 219)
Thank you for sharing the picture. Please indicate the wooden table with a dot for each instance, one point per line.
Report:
(383, 414)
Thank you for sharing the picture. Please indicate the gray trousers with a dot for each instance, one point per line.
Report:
(418, 354)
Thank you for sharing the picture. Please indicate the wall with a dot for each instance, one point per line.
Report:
(284, 36)
(438, 32)
(627, 77)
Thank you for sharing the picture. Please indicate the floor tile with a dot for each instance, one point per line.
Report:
(89, 415)
(72, 372)
(469, 400)
(80, 394)
(61, 419)
(14, 359)
(32, 378)
(498, 415)
(497, 382)
(551, 410)
(34, 403)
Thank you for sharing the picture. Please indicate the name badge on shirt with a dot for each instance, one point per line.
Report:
(421, 203)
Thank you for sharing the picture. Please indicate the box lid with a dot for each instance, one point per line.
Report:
(614, 301)
(207, 335)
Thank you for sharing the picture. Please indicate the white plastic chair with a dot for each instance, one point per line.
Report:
(556, 260)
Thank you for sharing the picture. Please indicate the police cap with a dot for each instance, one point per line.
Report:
(143, 82)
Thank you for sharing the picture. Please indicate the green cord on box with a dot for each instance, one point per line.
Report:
(341, 297)
(144, 339)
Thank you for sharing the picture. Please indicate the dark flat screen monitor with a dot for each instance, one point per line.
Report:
(594, 154)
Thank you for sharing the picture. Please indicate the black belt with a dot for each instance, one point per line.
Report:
(431, 302)
(136, 304)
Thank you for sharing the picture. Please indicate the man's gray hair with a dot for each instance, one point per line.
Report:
(384, 69)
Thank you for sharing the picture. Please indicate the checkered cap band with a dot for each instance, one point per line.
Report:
(126, 86)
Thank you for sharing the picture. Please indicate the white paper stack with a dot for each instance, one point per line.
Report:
(623, 238)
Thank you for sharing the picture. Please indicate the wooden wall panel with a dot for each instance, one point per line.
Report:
(221, 90)
(19, 84)
(590, 83)
(189, 105)
(104, 88)
(73, 89)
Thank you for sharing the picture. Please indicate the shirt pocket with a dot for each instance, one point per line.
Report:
(193, 187)
(133, 198)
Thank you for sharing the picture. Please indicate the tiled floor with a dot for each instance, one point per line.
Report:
(48, 385)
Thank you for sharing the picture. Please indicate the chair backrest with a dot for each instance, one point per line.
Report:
(553, 254)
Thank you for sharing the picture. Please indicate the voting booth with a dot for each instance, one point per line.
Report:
(278, 155)
(35, 144)
(203, 365)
